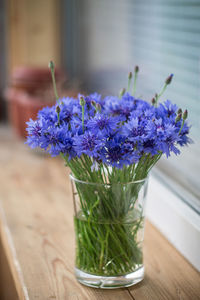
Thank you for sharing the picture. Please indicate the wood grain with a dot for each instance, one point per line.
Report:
(36, 198)
(7, 286)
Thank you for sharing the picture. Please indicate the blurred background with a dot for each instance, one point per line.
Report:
(94, 45)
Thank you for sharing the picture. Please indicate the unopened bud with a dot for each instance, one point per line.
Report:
(122, 92)
(178, 118)
(130, 75)
(169, 79)
(153, 100)
(82, 101)
(179, 111)
(185, 115)
(93, 103)
(51, 64)
(136, 69)
(58, 109)
(98, 107)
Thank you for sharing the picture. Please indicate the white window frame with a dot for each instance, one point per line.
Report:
(177, 221)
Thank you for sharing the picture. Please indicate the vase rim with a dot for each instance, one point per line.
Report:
(109, 184)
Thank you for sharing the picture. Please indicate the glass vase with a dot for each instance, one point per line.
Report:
(109, 231)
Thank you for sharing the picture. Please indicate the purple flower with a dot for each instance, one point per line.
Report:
(167, 110)
(35, 131)
(168, 140)
(67, 143)
(101, 123)
(134, 130)
(48, 114)
(117, 153)
(119, 134)
(183, 136)
(88, 143)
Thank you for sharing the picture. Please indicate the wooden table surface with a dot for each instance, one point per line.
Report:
(37, 238)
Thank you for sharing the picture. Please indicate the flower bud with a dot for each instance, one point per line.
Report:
(136, 69)
(179, 111)
(130, 75)
(185, 115)
(93, 103)
(153, 100)
(98, 107)
(122, 92)
(178, 118)
(82, 101)
(169, 79)
(58, 109)
(51, 65)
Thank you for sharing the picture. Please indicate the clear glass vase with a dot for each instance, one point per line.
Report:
(109, 230)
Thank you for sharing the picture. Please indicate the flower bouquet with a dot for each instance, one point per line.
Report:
(110, 144)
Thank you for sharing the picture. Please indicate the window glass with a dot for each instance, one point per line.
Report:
(162, 37)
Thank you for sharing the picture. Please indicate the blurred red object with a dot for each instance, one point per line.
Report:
(22, 107)
(29, 91)
(33, 79)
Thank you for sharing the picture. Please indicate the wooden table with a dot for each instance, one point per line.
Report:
(37, 239)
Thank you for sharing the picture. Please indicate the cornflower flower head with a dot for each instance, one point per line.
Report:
(112, 130)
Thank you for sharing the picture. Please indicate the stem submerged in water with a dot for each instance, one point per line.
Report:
(109, 222)
(107, 249)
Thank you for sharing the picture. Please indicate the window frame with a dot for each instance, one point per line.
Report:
(174, 218)
(166, 209)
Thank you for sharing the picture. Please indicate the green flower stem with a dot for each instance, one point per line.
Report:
(82, 103)
(135, 79)
(160, 94)
(157, 96)
(114, 253)
(108, 224)
(83, 111)
(129, 80)
(181, 126)
(134, 84)
(51, 66)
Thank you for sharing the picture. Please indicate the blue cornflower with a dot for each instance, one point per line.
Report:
(150, 146)
(133, 130)
(118, 107)
(66, 142)
(183, 135)
(142, 105)
(48, 114)
(117, 153)
(35, 131)
(167, 110)
(88, 143)
(51, 142)
(169, 140)
(102, 123)
(118, 134)
(67, 113)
